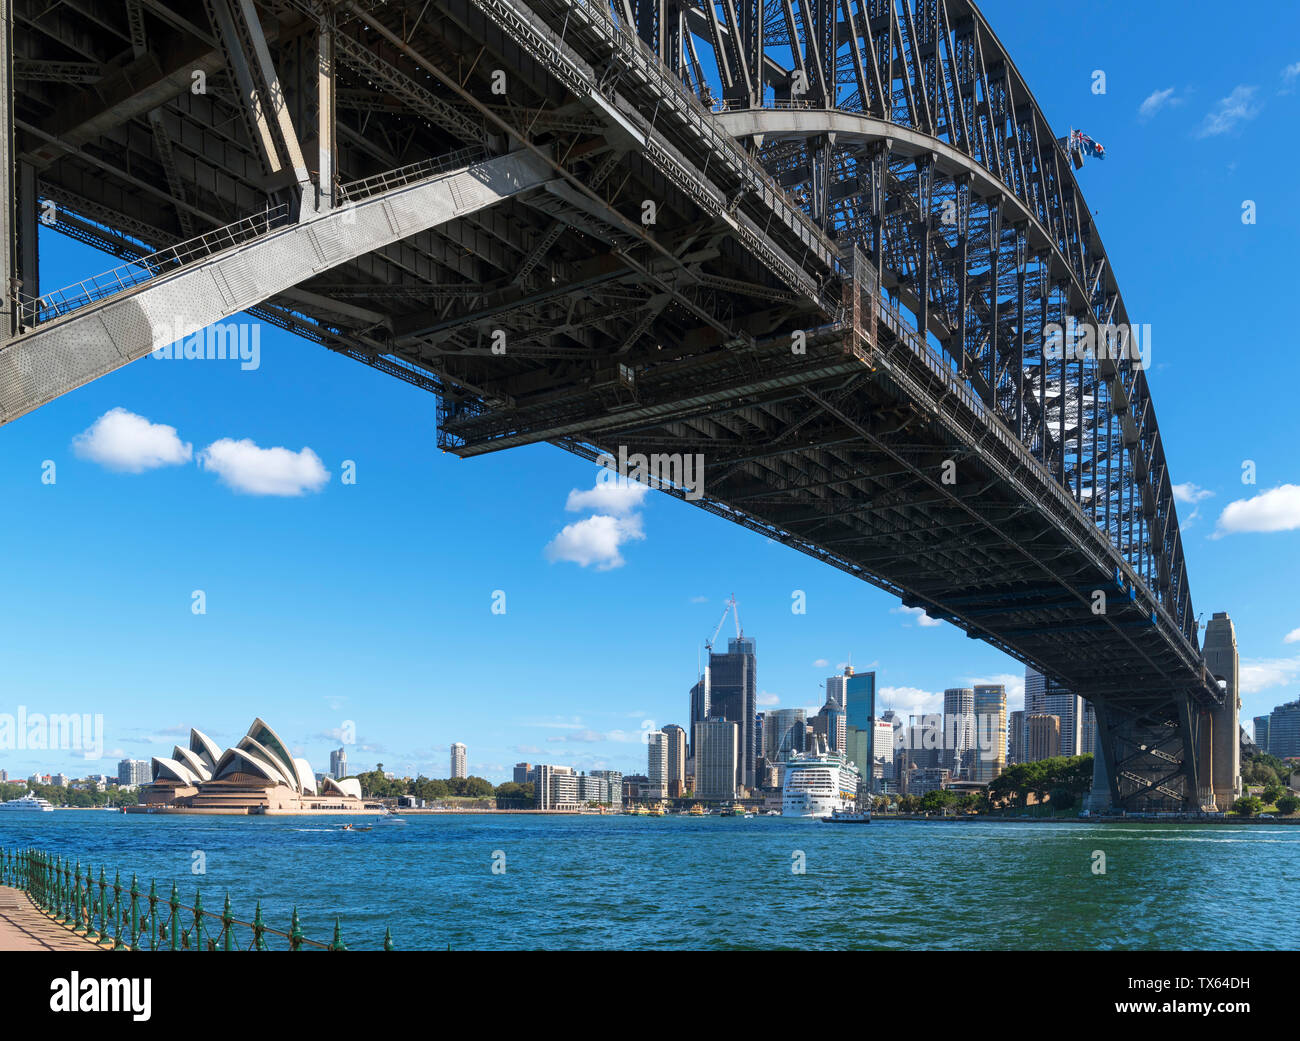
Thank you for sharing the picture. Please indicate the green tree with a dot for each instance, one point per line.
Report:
(1287, 805)
(1272, 793)
(1248, 806)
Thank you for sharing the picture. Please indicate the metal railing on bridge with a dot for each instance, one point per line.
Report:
(128, 919)
(49, 306)
(363, 188)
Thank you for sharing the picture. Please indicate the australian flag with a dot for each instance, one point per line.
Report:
(1088, 147)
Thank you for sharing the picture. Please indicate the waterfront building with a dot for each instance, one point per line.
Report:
(859, 715)
(458, 765)
(784, 732)
(883, 769)
(835, 688)
(1284, 730)
(1261, 733)
(831, 724)
(1046, 697)
(733, 696)
(1042, 736)
(613, 785)
(991, 731)
(717, 752)
(523, 773)
(258, 775)
(1088, 742)
(1016, 738)
(699, 709)
(959, 748)
(133, 771)
(634, 787)
(924, 779)
(339, 763)
(675, 772)
(657, 764)
(555, 787)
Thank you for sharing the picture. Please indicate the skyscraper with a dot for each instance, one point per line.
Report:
(717, 758)
(830, 724)
(859, 720)
(675, 769)
(835, 687)
(1284, 730)
(1261, 733)
(699, 709)
(1042, 736)
(733, 695)
(339, 764)
(457, 760)
(958, 731)
(783, 733)
(991, 731)
(1016, 738)
(657, 765)
(524, 773)
(1047, 697)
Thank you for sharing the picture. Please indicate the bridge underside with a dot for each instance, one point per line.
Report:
(839, 302)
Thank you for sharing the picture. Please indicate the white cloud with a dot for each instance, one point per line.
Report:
(121, 440)
(616, 496)
(1289, 76)
(911, 701)
(245, 467)
(596, 540)
(766, 700)
(1237, 107)
(1261, 674)
(1292, 637)
(699, 599)
(1157, 100)
(922, 619)
(821, 663)
(1191, 493)
(1277, 509)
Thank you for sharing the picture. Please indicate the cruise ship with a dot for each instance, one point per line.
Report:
(30, 803)
(818, 783)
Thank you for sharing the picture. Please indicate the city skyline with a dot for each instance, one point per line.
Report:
(390, 633)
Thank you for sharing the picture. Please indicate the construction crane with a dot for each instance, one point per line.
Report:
(735, 613)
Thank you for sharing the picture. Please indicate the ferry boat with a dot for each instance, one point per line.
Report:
(818, 783)
(28, 803)
(696, 810)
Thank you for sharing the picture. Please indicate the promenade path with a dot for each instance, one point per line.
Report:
(23, 927)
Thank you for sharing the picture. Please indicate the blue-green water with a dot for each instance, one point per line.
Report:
(680, 882)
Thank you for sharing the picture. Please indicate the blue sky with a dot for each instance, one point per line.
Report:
(371, 603)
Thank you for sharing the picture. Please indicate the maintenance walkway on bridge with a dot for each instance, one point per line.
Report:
(24, 927)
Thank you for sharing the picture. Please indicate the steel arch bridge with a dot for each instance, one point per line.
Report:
(822, 244)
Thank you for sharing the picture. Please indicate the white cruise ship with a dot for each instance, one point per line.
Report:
(818, 783)
(30, 803)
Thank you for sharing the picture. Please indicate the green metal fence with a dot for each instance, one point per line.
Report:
(108, 913)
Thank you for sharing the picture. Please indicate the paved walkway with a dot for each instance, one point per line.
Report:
(24, 928)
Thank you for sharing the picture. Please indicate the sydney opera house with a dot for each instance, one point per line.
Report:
(258, 775)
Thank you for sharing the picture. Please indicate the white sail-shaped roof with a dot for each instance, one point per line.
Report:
(246, 761)
(204, 747)
(348, 786)
(165, 769)
(289, 774)
(200, 769)
(306, 779)
(269, 741)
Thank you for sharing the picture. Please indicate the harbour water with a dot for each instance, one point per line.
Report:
(585, 882)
